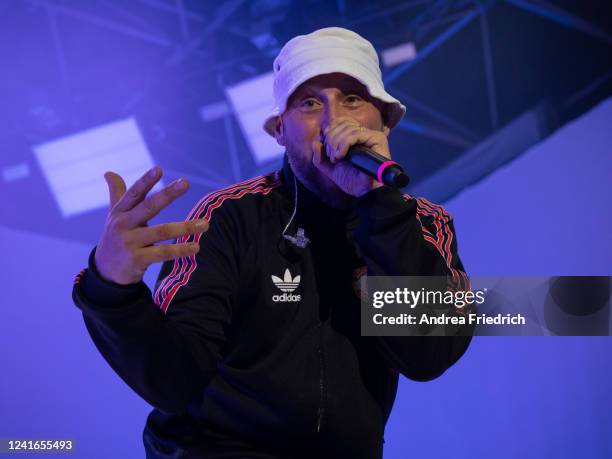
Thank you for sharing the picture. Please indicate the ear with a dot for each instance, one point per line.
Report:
(386, 130)
(279, 132)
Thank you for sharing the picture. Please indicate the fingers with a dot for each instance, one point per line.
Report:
(318, 158)
(164, 252)
(148, 208)
(345, 139)
(137, 192)
(116, 187)
(339, 136)
(126, 249)
(144, 236)
(337, 128)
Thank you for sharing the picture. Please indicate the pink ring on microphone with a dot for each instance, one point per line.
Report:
(381, 169)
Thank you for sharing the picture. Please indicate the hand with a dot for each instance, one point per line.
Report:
(328, 157)
(126, 249)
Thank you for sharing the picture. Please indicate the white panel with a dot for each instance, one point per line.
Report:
(74, 166)
(252, 101)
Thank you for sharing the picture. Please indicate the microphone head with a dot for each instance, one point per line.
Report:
(395, 177)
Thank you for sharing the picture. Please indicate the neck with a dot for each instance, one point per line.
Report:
(310, 195)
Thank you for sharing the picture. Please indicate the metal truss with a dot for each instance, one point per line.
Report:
(187, 44)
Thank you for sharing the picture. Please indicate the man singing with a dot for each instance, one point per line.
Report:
(250, 346)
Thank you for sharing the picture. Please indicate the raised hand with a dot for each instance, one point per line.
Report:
(126, 248)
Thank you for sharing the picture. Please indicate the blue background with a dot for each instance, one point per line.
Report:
(544, 212)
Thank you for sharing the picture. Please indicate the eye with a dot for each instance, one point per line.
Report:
(353, 99)
(308, 104)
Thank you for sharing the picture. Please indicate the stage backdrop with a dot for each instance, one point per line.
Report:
(547, 212)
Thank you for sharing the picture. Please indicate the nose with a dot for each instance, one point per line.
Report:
(332, 110)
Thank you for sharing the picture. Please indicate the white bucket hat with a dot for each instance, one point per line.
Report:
(329, 50)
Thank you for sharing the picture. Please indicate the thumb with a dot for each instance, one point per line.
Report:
(116, 187)
(318, 158)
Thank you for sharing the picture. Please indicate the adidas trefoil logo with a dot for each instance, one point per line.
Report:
(287, 284)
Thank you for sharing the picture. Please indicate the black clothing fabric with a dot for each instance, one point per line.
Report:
(252, 348)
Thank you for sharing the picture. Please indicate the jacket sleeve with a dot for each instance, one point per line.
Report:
(403, 236)
(165, 346)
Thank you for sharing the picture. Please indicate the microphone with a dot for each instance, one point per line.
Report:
(377, 166)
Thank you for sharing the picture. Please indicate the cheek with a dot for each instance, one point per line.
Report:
(372, 118)
(302, 132)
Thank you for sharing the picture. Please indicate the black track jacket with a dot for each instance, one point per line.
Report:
(252, 348)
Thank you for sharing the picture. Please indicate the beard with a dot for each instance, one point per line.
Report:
(316, 181)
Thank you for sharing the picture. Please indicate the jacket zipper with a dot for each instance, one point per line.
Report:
(321, 408)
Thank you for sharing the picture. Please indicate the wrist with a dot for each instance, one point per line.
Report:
(108, 293)
(104, 277)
